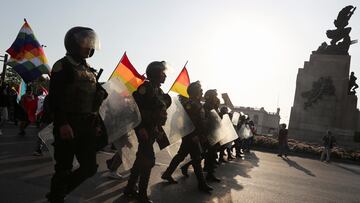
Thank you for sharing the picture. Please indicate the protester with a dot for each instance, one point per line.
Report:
(328, 142)
(152, 103)
(283, 140)
(28, 103)
(74, 101)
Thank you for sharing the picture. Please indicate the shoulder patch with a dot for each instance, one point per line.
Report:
(58, 66)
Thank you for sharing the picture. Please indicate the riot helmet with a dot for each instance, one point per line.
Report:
(155, 71)
(194, 90)
(210, 94)
(78, 38)
(224, 110)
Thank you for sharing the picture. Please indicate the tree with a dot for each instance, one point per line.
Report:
(13, 79)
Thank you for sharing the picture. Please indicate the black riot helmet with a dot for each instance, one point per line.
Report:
(224, 110)
(194, 89)
(210, 94)
(154, 69)
(81, 37)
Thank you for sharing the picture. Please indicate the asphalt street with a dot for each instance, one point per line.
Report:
(260, 177)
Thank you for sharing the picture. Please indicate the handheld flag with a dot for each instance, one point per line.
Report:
(21, 90)
(126, 72)
(27, 56)
(181, 83)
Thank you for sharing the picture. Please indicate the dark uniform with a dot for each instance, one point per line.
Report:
(74, 97)
(152, 103)
(226, 147)
(191, 145)
(211, 151)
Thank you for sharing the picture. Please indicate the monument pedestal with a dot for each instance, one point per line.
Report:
(322, 102)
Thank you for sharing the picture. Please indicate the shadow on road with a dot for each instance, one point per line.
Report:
(186, 190)
(292, 163)
(348, 169)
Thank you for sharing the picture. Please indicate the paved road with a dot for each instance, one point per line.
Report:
(261, 177)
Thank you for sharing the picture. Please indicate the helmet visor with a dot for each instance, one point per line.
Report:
(87, 39)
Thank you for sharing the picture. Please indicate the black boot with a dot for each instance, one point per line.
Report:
(166, 176)
(54, 199)
(130, 192)
(204, 187)
(184, 171)
(144, 199)
(212, 178)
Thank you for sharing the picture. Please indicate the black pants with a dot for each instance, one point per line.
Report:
(188, 146)
(209, 155)
(83, 147)
(210, 158)
(144, 162)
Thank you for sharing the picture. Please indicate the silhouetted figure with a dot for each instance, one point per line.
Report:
(74, 97)
(329, 142)
(352, 84)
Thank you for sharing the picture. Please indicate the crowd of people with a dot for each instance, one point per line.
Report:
(73, 104)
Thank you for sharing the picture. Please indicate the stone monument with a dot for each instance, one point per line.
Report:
(322, 100)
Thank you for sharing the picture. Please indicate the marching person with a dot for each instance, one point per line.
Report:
(191, 143)
(152, 103)
(75, 98)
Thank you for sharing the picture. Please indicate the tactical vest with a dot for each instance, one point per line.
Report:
(80, 92)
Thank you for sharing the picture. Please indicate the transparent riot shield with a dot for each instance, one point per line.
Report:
(245, 132)
(128, 146)
(178, 123)
(235, 118)
(47, 136)
(119, 110)
(215, 131)
(228, 129)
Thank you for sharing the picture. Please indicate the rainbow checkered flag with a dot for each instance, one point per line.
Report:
(27, 56)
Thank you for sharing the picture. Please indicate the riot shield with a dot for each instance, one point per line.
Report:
(245, 132)
(235, 118)
(215, 131)
(128, 146)
(47, 136)
(119, 110)
(227, 128)
(178, 123)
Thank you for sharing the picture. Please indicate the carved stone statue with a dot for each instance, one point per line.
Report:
(352, 84)
(322, 87)
(342, 32)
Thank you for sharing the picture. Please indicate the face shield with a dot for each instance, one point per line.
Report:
(168, 68)
(87, 39)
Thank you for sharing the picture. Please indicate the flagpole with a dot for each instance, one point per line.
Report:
(178, 76)
(117, 65)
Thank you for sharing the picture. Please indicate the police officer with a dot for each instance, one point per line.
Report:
(74, 100)
(226, 147)
(152, 103)
(212, 102)
(191, 143)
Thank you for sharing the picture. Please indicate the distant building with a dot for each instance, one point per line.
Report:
(266, 122)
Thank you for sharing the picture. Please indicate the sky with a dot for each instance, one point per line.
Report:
(251, 50)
